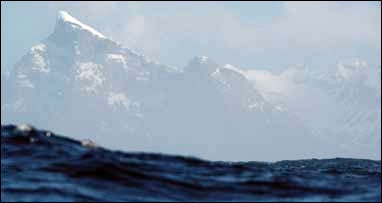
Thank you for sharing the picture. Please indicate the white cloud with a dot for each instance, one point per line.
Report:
(301, 26)
(174, 32)
(270, 83)
(95, 10)
(328, 24)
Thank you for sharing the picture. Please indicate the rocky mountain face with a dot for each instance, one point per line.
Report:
(341, 105)
(79, 82)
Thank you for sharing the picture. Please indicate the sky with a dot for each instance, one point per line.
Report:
(250, 35)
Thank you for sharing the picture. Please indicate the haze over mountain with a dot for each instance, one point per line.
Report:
(79, 82)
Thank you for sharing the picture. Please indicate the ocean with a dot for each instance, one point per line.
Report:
(38, 165)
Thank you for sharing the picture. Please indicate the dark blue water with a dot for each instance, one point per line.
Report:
(40, 166)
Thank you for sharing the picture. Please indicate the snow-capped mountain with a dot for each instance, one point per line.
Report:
(341, 106)
(79, 82)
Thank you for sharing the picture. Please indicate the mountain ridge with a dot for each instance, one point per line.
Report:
(98, 87)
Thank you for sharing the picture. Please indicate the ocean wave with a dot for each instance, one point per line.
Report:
(41, 166)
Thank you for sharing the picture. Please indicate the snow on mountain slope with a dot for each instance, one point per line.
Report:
(76, 24)
(341, 106)
(78, 82)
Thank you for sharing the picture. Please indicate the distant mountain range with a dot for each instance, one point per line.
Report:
(79, 82)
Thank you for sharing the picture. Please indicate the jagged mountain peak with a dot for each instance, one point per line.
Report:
(201, 64)
(71, 24)
(79, 77)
